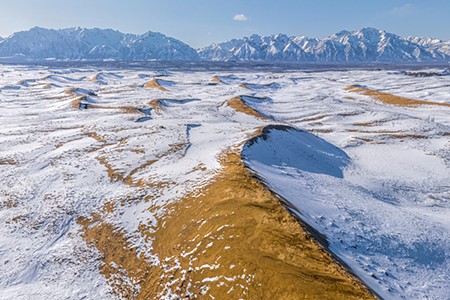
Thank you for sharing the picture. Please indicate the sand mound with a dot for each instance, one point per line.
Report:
(97, 78)
(392, 99)
(155, 104)
(79, 102)
(240, 104)
(26, 82)
(83, 101)
(244, 86)
(155, 84)
(216, 79)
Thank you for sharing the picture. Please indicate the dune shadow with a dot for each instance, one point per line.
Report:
(288, 147)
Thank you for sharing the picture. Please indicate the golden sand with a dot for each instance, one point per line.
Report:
(216, 79)
(238, 104)
(154, 84)
(77, 101)
(96, 78)
(8, 162)
(243, 85)
(392, 99)
(80, 98)
(321, 130)
(240, 232)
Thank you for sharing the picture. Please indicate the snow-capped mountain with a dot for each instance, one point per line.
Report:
(278, 47)
(93, 44)
(432, 43)
(366, 45)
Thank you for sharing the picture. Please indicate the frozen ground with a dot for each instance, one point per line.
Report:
(377, 186)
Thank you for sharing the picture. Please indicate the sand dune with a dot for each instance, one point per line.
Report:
(97, 78)
(239, 104)
(237, 224)
(158, 84)
(216, 79)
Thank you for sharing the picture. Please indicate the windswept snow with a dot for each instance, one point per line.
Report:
(371, 177)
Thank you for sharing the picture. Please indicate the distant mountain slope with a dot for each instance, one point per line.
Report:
(432, 43)
(93, 44)
(366, 45)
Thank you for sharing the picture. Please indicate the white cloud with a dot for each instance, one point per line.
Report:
(240, 18)
(401, 10)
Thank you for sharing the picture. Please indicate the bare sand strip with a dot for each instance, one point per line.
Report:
(392, 99)
(251, 86)
(233, 241)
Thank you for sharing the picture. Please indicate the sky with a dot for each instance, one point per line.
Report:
(202, 22)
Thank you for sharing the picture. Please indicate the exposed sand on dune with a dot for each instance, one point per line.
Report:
(96, 78)
(238, 104)
(8, 162)
(216, 79)
(392, 99)
(76, 91)
(80, 102)
(127, 178)
(154, 84)
(234, 241)
(243, 85)
(77, 102)
(155, 104)
(47, 86)
(158, 105)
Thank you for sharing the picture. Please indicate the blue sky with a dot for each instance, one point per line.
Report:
(201, 22)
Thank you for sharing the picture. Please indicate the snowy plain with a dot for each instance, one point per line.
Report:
(372, 178)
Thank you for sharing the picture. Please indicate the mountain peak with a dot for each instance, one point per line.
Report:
(342, 32)
(371, 30)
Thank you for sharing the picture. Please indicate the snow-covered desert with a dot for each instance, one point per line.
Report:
(165, 184)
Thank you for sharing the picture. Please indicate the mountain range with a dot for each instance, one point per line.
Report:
(368, 45)
(39, 44)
